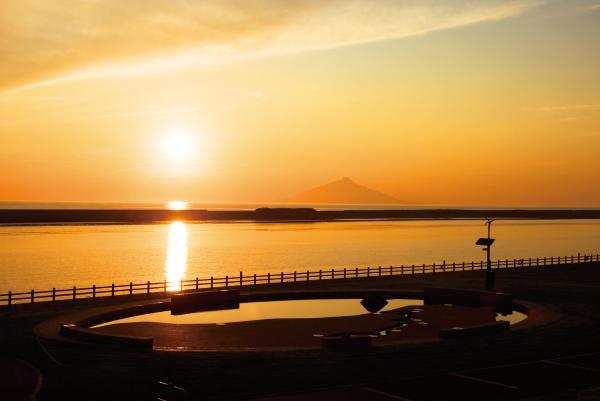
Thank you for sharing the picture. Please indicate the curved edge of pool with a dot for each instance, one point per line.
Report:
(76, 328)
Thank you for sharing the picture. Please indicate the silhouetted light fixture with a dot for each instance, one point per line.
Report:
(487, 245)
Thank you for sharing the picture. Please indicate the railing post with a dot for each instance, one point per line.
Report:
(472, 265)
(268, 278)
(32, 296)
(212, 282)
(444, 265)
(423, 268)
(241, 279)
(463, 266)
(379, 271)
(413, 268)
(53, 294)
(197, 284)
(368, 271)
(356, 272)
(320, 274)
(332, 274)
(130, 288)
(226, 281)
(294, 276)
(254, 278)
(74, 292)
(94, 291)
(112, 290)
(401, 270)
(391, 270)
(308, 275)
(481, 264)
(282, 277)
(453, 266)
(434, 267)
(344, 272)
(9, 298)
(148, 287)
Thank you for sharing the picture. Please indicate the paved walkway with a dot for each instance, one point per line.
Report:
(566, 378)
(19, 381)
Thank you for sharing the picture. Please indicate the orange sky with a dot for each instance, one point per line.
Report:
(434, 102)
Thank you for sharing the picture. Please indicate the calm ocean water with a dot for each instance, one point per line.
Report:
(43, 257)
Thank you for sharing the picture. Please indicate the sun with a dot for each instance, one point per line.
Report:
(177, 146)
(177, 205)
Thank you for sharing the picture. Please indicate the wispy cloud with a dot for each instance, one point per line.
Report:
(107, 116)
(44, 40)
(150, 112)
(592, 107)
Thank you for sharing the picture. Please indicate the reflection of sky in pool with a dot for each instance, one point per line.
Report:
(513, 317)
(292, 309)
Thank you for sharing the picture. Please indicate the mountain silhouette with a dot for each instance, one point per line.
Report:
(343, 191)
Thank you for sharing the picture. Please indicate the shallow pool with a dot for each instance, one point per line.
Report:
(290, 309)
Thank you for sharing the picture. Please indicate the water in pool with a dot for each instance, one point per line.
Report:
(295, 309)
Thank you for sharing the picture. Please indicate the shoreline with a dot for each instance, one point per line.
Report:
(18, 217)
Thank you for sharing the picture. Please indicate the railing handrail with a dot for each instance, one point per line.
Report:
(254, 279)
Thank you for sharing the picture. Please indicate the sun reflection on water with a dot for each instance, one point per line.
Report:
(176, 263)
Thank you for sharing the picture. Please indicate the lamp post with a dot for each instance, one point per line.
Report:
(487, 245)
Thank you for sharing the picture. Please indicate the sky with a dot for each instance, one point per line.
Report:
(445, 102)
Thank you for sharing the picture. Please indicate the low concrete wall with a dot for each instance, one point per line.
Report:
(205, 301)
(498, 300)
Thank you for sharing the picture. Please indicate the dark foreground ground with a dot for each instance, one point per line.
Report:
(557, 361)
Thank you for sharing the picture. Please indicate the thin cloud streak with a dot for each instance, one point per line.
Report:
(46, 42)
(141, 113)
(593, 107)
(108, 116)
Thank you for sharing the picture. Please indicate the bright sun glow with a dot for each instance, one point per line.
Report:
(177, 146)
(177, 205)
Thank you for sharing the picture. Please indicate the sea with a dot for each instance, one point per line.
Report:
(43, 257)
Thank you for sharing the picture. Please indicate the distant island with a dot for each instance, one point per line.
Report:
(343, 191)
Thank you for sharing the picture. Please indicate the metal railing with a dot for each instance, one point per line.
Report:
(241, 280)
